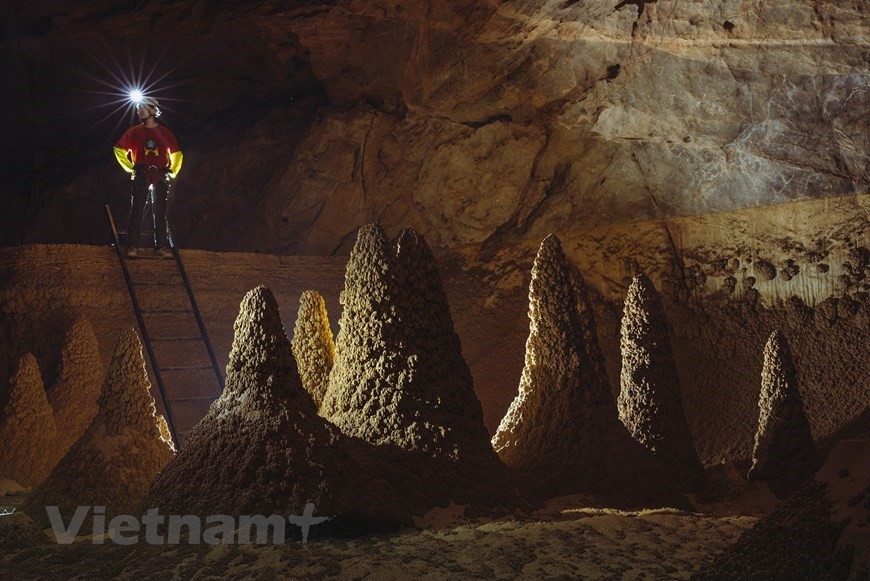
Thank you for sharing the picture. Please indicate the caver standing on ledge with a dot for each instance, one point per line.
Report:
(150, 154)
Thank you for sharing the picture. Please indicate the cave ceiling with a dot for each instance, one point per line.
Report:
(473, 122)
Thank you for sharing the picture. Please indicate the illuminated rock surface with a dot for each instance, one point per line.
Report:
(313, 346)
(562, 427)
(263, 450)
(28, 433)
(121, 452)
(784, 450)
(75, 393)
(649, 401)
(400, 380)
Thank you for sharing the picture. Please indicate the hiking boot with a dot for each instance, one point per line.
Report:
(164, 253)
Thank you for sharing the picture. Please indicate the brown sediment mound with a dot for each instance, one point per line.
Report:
(75, 393)
(263, 450)
(313, 346)
(649, 401)
(400, 380)
(28, 433)
(784, 453)
(121, 452)
(562, 427)
(820, 532)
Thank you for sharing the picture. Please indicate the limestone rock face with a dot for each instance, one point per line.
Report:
(262, 448)
(482, 121)
(121, 452)
(562, 427)
(649, 399)
(28, 433)
(313, 346)
(784, 449)
(75, 393)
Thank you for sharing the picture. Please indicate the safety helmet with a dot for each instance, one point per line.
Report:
(151, 102)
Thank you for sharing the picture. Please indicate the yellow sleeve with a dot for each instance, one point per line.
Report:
(175, 159)
(123, 160)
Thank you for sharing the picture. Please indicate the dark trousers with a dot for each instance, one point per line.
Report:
(142, 192)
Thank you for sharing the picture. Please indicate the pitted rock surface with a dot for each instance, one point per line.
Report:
(649, 402)
(79, 378)
(784, 451)
(313, 345)
(28, 432)
(262, 448)
(562, 427)
(121, 452)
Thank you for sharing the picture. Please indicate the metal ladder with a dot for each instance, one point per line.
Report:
(170, 398)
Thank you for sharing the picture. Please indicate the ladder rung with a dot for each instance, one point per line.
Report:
(173, 339)
(199, 398)
(155, 283)
(163, 311)
(190, 368)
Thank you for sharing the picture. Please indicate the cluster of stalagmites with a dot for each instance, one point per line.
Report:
(383, 424)
(38, 428)
(563, 428)
(399, 429)
(120, 452)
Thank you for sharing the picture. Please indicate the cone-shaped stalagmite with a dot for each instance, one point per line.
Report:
(562, 427)
(121, 452)
(400, 380)
(313, 347)
(74, 395)
(262, 448)
(649, 400)
(784, 451)
(28, 434)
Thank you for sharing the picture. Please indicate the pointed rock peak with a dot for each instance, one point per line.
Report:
(550, 249)
(777, 344)
(641, 288)
(26, 384)
(125, 399)
(261, 358)
(410, 245)
(313, 344)
(784, 449)
(371, 241)
(28, 432)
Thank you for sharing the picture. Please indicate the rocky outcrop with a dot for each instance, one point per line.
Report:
(400, 380)
(121, 452)
(75, 393)
(313, 346)
(649, 401)
(28, 433)
(562, 427)
(262, 448)
(784, 452)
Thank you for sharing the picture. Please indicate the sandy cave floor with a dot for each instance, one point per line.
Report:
(561, 541)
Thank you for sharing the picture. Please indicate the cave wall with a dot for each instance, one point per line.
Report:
(472, 122)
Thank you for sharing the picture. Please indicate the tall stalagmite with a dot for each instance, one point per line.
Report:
(784, 453)
(121, 452)
(400, 379)
(262, 448)
(649, 401)
(313, 346)
(562, 427)
(80, 374)
(28, 433)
